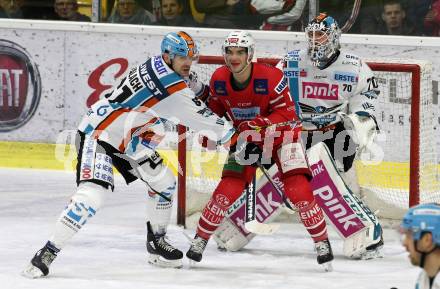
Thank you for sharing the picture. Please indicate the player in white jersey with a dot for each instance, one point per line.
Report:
(328, 83)
(335, 94)
(123, 130)
(420, 230)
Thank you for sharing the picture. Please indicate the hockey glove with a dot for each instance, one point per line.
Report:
(362, 127)
(248, 153)
(258, 124)
(199, 88)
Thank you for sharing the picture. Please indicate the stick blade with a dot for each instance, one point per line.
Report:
(261, 229)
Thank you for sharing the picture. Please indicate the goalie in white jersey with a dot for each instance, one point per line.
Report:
(335, 95)
(123, 130)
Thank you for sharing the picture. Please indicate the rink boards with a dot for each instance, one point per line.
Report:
(385, 175)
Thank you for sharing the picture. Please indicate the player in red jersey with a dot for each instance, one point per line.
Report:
(254, 95)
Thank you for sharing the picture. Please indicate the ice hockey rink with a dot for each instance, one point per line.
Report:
(110, 250)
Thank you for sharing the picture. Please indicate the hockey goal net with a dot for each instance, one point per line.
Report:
(408, 173)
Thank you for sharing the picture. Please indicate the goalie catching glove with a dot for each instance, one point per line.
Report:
(362, 127)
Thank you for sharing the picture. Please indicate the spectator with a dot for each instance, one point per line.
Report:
(416, 11)
(281, 15)
(432, 19)
(172, 14)
(233, 14)
(394, 19)
(11, 8)
(369, 17)
(129, 12)
(68, 10)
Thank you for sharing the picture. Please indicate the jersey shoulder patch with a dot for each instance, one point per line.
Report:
(282, 84)
(218, 81)
(220, 87)
(293, 55)
(261, 86)
(349, 59)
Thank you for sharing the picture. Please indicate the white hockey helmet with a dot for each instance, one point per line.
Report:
(322, 34)
(240, 38)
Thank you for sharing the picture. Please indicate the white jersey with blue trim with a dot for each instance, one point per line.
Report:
(423, 281)
(347, 85)
(148, 97)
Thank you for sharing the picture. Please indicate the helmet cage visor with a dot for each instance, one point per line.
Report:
(323, 41)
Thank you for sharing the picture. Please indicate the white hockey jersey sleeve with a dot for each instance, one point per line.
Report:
(364, 99)
(183, 107)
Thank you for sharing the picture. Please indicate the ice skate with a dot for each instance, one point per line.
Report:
(198, 245)
(40, 263)
(373, 251)
(162, 253)
(325, 254)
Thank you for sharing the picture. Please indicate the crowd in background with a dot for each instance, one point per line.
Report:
(389, 17)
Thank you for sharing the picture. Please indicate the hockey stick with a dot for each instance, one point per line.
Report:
(275, 186)
(251, 223)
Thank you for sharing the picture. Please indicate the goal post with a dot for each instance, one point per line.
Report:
(409, 173)
(414, 166)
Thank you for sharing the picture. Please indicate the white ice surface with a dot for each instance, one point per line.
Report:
(109, 252)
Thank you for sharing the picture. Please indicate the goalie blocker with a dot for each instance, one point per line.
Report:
(351, 218)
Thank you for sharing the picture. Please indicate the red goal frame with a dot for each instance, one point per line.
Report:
(414, 180)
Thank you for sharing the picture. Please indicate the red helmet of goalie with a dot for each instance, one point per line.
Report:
(239, 39)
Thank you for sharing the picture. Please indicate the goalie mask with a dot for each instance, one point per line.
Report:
(322, 35)
(240, 39)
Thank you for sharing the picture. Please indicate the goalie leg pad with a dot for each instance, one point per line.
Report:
(351, 218)
(230, 237)
(84, 204)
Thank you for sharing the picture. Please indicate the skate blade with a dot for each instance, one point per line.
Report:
(328, 266)
(32, 272)
(192, 263)
(375, 254)
(164, 263)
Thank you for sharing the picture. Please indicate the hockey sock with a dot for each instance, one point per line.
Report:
(297, 189)
(83, 205)
(227, 191)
